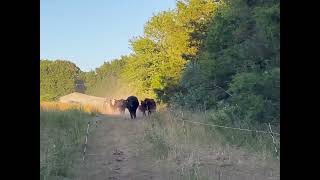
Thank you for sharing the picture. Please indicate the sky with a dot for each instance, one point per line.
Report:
(90, 32)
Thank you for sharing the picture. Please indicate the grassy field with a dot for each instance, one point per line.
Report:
(62, 133)
(194, 146)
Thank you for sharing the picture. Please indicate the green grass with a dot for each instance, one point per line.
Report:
(172, 141)
(254, 142)
(61, 138)
(260, 144)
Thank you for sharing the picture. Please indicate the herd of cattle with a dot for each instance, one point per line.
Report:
(132, 104)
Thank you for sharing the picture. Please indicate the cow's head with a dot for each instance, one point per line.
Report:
(129, 104)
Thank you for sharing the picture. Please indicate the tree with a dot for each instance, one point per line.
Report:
(57, 78)
(238, 66)
(160, 55)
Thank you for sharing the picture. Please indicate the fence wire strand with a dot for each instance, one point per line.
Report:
(227, 127)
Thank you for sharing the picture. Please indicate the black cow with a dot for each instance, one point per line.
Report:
(132, 104)
(143, 108)
(150, 105)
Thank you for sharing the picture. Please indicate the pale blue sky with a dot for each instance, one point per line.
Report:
(89, 32)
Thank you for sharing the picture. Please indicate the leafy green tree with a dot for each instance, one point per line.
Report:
(238, 65)
(170, 39)
(57, 78)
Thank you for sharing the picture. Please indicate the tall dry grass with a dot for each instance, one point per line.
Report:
(62, 133)
(58, 106)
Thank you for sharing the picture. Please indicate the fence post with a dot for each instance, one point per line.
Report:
(273, 140)
(184, 132)
(86, 140)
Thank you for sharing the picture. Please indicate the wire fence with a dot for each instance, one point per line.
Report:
(227, 127)
(270, 132)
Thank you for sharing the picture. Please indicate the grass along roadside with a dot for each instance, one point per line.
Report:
(192, 147)
(62, 135)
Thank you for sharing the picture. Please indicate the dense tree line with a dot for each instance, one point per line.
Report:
(57, 78)
(237, 71)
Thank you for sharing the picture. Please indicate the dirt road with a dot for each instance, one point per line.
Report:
(116, 152)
